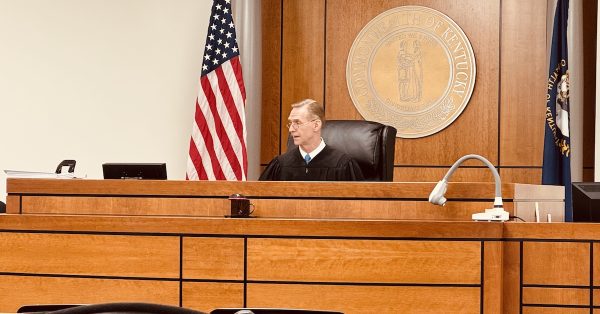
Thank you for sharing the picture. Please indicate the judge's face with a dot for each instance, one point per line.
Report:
(305, 129)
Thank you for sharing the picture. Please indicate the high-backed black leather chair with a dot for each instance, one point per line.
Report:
(2, 207)
(369, 143)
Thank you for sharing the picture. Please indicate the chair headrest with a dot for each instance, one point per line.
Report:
(362, 140)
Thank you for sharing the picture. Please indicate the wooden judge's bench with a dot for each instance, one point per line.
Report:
(353, 247)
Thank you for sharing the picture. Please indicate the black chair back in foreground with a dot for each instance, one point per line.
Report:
(43, 308)
(370, 144)
(121, 308)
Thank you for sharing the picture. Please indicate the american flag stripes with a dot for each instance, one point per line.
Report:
(218, 141)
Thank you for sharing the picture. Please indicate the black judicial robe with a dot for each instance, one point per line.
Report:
(328, 165)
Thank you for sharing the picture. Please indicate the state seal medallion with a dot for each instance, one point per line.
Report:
(411, 67)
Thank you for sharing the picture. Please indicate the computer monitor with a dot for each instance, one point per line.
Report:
(586, 201)
(141, 171)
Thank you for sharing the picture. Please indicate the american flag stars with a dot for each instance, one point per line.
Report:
(221, 42)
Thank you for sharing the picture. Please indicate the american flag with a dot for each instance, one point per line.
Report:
(218, 143)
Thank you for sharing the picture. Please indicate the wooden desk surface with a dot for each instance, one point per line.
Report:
(251, 226)
(306, 200)
(287, 189)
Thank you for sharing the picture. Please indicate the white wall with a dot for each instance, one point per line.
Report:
(98, 81)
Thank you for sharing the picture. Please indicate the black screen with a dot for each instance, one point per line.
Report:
(586, 201)
(141, 171)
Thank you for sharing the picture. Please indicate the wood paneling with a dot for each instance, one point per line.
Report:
(125, 205)
(429, 174)
(366, 299)
(589, 25)
(13, 204)
(366, 200)
(563, 296)
(206, 296)
(103, 255)
(492, 277)
(596, 297)
(588, 175)
(446, 262)
(271, 79)
(554, 310)
(574, 231)
(215, 258)
(261, 227)
(556, 263)
(511, 277)
(222, 189)
(265, 208)
(523, 76)
(332, 209)
(498, 123)
(303, 56)
(16, 291)
(521, 175)
(596, 265)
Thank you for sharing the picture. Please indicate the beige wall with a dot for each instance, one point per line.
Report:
(98, 81)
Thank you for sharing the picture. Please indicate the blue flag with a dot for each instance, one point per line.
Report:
(557, 144)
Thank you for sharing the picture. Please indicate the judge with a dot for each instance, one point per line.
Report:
(313, 160)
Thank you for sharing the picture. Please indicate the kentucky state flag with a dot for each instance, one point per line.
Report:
(557, 145)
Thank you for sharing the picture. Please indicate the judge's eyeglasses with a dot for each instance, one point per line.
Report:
(295, 125)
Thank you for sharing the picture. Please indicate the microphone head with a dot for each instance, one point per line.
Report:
(437, 194)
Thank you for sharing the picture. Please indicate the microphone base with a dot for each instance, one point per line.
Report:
(492, 214)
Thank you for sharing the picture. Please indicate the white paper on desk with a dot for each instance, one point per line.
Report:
(38, 175)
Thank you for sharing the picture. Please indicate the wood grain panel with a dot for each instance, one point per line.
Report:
(13, 203)
(589, 33)
(16, 291)
(366, 299)
(206, 296)
(521, 175)
(556, 263)
(271, 79)
(361, 209)
(102, 255)
(596, 265)
(523, 62)
(429, 174)
(554, 310)
(303, 56)
(222, 189)
(511, 277)
(126, 206)
(265, 208)
(560, 231)
(563, 296)
(360, 261)
(596, 297)
(588, 174)
(252, 227)
(213, 258)
(492, 277)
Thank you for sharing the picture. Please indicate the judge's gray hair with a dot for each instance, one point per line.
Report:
(313, 107)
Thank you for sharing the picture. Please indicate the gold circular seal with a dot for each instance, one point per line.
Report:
(411, 67)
